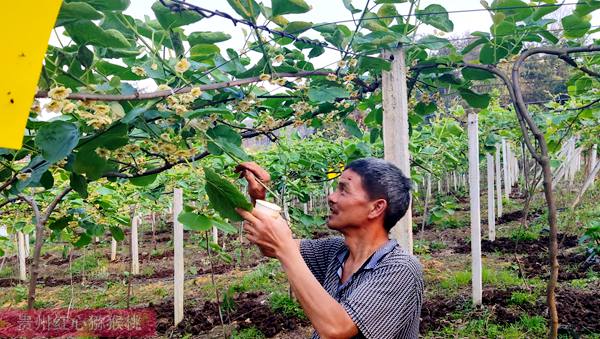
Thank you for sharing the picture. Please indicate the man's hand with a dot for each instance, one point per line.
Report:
(251, 172)
(272, 236)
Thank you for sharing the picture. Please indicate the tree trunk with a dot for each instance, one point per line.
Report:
(35, 263)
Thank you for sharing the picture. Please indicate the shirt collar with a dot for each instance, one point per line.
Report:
(343, 253)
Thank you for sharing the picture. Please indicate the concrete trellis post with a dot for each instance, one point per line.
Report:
(215, 235)
(113, 249)
(135, 260)
(505, 168)
(395, 132)
(498, 181)
(475, 208)
(439, 186)
(491, 204)
(27, 249)
(178, 269)
(21, 255)
(593, 157)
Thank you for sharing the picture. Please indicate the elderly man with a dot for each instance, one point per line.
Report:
(362, 285)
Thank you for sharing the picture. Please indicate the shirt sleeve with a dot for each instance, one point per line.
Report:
(318, 253)
(388, 304)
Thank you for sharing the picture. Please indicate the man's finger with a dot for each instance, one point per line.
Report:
(253, 167)
(247, 216)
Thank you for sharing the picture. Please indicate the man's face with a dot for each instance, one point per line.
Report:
(349, 204)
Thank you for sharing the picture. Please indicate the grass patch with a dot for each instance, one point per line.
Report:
(267, 277)
(499, 278)
(422, 247)
(7, 272)
(523, 298)
(247, 333)
(280, 302)
(87, 263)
(483, 327)
(522, 234)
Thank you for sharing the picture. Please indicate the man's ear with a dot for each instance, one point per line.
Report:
(378, 208)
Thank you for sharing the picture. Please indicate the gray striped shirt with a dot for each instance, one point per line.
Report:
(383, 297)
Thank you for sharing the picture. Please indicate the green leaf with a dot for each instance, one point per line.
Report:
(503, 28)
(542, 11)
(86, 32)
(79, 184)
(374, 135)
(373, 64)
(352, 128)
(373, 23)
(194, 222)
(387, 13)
(117, 233)
(424, 109)
(490, 54)
(143, 181)
(586, 7)
(108, 5)
(350, 7)
(56, 140)
(583, 84)
(85, 56)
(89, 163)
(74, 11)
(436, 16)
(225, 139)
(201, 52)
(59, 224)
(207, 37)
(433, 42)
(111, 139)
(124, 73)
(476, 74)
(289, 7)
(47, 180)
(169, 19)
(326, 94)
(297, 27)
(513, 10)
(476, 100)
(223, 226)
(83, 240)
(248, 9)
(575, 26)
(224, 196)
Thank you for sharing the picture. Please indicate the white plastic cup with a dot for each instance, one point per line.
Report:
(271, 209)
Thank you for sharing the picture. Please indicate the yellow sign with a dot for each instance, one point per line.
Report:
(24, 31)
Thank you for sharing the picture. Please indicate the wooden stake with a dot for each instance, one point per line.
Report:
(475, 205)
(491, 204)
(178, 256)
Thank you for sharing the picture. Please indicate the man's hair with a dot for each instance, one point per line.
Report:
(383, 180)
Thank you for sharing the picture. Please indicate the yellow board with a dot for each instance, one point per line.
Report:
(25, 28)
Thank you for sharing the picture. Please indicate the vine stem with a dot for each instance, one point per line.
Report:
(212, 278)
